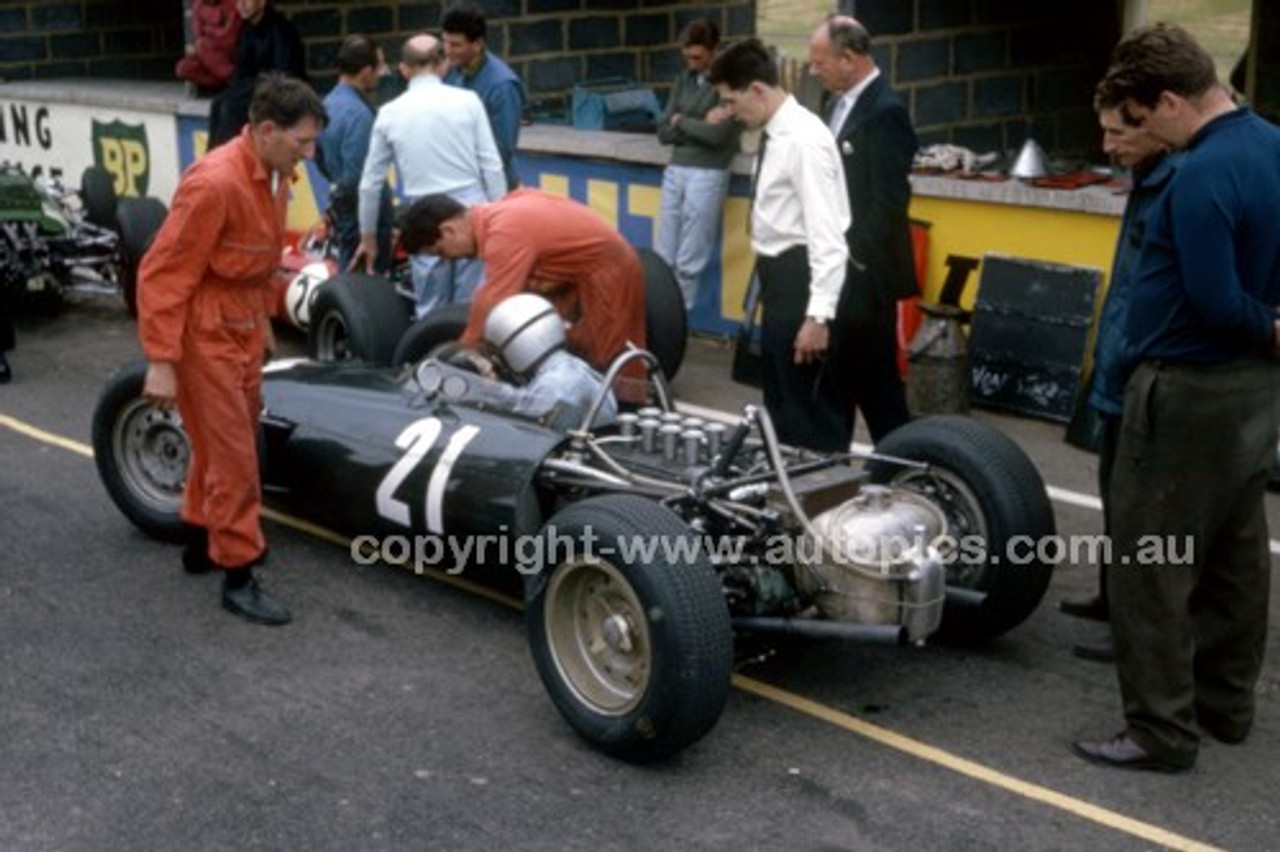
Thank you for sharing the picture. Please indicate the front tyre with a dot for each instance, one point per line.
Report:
(142, 455)
(636, 654)
(991, 494)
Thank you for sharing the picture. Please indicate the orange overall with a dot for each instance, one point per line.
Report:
(203, 296)
(561, 249)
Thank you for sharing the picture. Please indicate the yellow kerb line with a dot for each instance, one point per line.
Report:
(852, 724)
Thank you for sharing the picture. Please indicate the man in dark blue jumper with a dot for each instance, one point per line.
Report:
(1191, 572)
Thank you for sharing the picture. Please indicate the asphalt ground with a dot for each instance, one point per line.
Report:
(401, 713)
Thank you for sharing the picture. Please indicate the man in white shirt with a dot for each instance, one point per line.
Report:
(798, 226)
(440, 141)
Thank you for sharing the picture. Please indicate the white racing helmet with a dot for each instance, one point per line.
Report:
(524, 329)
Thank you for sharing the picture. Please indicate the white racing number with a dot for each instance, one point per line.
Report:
(416, 440)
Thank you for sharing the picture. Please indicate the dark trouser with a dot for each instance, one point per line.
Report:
(1109, 437)
(1191, 569)
(7, 337)
(346, 225)
(807, 404)
(867, 360)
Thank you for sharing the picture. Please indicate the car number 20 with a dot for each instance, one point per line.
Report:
(416, 440)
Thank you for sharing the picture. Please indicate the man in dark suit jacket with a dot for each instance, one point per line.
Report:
(876, 141)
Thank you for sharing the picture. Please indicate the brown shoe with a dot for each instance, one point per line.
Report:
(1121, 752)
(1229, 731)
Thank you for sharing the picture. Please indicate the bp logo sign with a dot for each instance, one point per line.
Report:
(122, 150)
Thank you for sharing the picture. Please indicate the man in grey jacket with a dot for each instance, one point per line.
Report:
(704, 140)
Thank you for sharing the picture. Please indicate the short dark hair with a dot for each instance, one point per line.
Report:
(467, 19)
(285, 101)
(1154, 59)
(420, 222)
(743, 63)
(700, 32)
(357, 53)
(847, 33)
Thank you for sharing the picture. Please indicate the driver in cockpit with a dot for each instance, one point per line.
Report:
(527, 339)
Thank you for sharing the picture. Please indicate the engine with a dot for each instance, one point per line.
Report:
(872, 560)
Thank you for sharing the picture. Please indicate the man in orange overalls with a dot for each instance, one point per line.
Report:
(203, 305)
(554, 246)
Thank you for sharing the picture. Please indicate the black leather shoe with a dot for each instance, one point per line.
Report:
(1122, 752)
(6, 372)
(1093, 608)
(1101, 651)
(253, 604)
(1224, 730)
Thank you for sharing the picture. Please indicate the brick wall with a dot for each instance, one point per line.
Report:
(90, 38)
(980, 73)
(986, 73)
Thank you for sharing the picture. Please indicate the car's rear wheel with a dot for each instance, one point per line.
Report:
(666, 321)
(142, 455)
(138, 220)
(98, 195)
(635, 649)
(442, 325)
(357, 317)
(993, 498)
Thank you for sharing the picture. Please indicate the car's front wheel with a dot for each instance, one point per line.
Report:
(629, 629)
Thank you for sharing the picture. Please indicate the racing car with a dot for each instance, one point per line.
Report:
(54, 240)
(641, 546)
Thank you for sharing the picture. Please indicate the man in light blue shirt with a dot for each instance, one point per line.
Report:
(344, 144)
(473, 66)
(439, 139)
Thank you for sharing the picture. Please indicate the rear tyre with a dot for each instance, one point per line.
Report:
(636, 656)
(138, 220)
(666, 324)
(357, 317)
(442, 325)
(142, 455)
(991, 493)
(98, 195)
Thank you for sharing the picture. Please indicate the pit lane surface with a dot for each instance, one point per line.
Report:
(401, 713)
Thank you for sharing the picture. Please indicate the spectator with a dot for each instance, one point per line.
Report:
(267, 42)
(876, 142)
(797, 232)
(344, 144)
(547, 244)
(473, 66)
(203, 290)
(1135, 149)
(704, 140)
(210, 56)
(439, 139)
(1201, 411)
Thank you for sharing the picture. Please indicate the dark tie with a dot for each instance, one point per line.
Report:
(755, 178)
